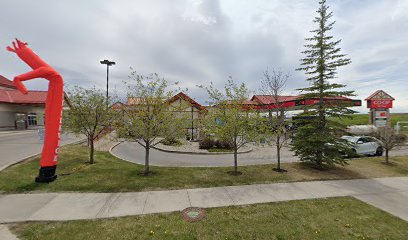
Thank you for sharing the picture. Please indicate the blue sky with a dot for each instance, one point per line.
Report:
(199, 41)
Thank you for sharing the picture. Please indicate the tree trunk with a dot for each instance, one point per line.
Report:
(147, 153)
(236, 160)
(91, 150)
(386, 156)
(278, 151)
(322, 120)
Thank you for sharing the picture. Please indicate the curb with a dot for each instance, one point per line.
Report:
(110, 151)
(35, 155)
(200, 153)
(19, 161)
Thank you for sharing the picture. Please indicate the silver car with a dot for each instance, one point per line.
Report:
(364, 145)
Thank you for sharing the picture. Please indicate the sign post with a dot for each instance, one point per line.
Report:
(379, 104)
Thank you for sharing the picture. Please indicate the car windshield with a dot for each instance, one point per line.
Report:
(350, 138)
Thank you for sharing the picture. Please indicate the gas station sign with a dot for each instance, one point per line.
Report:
(381, 118)
(381, 114)
(381, 103)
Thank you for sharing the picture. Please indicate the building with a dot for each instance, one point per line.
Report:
(19, 111)
(292, 103)
(191, 110)
(183, 105)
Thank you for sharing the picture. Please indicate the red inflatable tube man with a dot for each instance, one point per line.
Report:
(53, 106)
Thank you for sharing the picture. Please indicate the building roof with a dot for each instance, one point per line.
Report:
(380, 94)
(134, 101)
(12, 95)
(249, 102)
(15, 96)
(140, 100)
(4, 82)
(269, 99)
(183, 96)
(117, 106)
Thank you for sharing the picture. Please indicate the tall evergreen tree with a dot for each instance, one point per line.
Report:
(316, 139)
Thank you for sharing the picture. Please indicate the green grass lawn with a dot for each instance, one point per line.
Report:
(362, 119)
(220, 150)
(110, 174)
(334, 218)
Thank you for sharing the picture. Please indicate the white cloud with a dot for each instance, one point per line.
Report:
(199, 41)
(194, 12)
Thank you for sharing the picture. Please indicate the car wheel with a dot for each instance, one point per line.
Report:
(379, 152)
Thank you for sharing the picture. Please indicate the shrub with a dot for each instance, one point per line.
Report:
(400, 138)
(171, 142)
(222, 144)
(206, 143)
(218, 144)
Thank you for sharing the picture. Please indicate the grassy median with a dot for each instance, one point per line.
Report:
(334, 218)
(362, 119)
(110, 174)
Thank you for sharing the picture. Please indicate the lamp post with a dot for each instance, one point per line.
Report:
(192, 123)
(108, 63)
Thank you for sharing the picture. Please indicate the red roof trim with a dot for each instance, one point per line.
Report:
(6, 83)
(269, 99)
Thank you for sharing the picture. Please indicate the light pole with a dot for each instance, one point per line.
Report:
(108, 63)
(192, 123)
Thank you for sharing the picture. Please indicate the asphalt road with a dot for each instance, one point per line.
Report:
(133, 152)
(18, 145)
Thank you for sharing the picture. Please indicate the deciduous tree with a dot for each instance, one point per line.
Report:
(149, 118)
(230, 119)
(88, 115)
(273, 85)
(389, 139)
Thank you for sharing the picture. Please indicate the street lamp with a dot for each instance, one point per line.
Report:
(108, 63)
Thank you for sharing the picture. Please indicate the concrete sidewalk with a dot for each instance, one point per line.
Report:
(389, 194)
(5, 233)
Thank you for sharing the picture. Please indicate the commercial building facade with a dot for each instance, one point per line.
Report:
(182, 105)
(19, 111)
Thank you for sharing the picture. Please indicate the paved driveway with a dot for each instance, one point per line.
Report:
(18, 145)
(133, 152)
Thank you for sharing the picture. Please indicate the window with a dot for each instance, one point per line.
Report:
(366, 139)
(32, 119)
(361, 140)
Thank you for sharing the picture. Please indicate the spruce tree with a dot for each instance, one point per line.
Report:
(317, 136)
